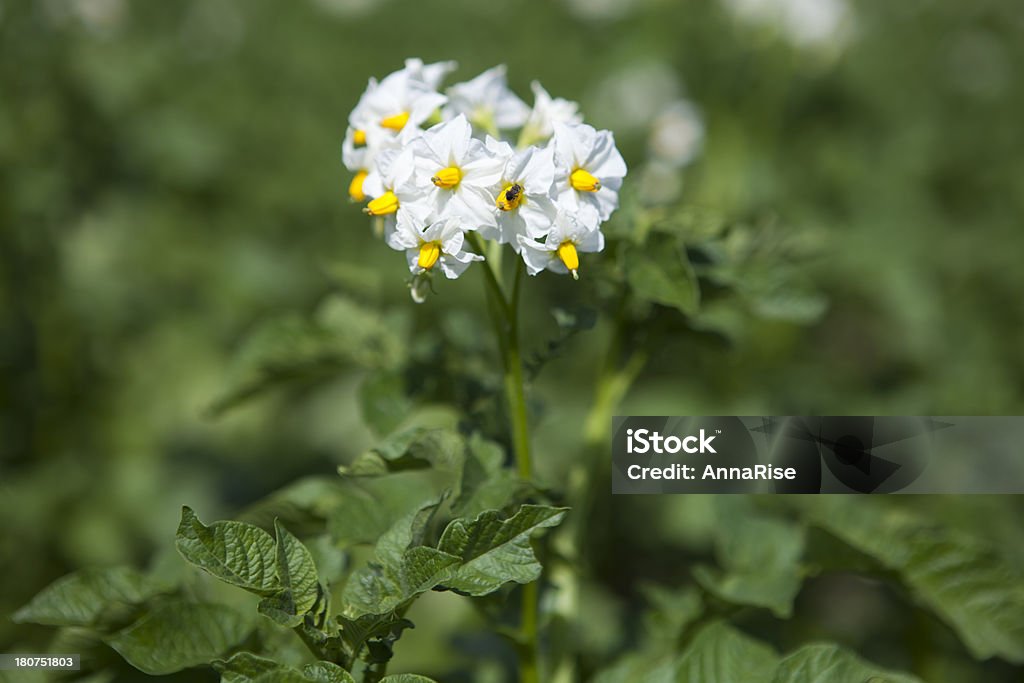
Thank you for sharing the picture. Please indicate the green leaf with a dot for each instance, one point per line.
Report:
(300, 586)
(660, 272)
(387, 628)
(407, 678)
(326, 672)
(178, 635)
(401, 570)
(721, 654)
(825, 663)
(382, 588)
(242, 667)
(89, 597)
(372, 505)
(762, 561)
(237, 553)
(484, 483)
(963, 580)
(494, 551)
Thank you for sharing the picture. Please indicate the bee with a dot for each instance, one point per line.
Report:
(510, 198)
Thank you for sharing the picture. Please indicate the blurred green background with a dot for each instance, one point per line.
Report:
(170, 177)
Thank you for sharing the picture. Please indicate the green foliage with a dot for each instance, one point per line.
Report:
(174, 244)
(89, 597)
(177, 635)
(493, 551)
(238, 553)
(964, 581)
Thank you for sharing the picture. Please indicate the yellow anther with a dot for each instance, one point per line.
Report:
(510, 198)
(584, 182)
(359, 137)
(447, 178)
(429, 253)
(384, 204)
(355, 188)
(569, 257)
(396, 122)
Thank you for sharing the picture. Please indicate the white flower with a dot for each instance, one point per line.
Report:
(360, 152)
(589, 171)
(389, 184)
(441, 243)
(429, 75)
(406, 97)
(523, 204)
(488, 102)
(559, 253)
(455, 174)
(546, 112)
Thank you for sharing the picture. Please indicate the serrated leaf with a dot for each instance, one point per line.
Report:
(494, 551)
(825, 663)
(237, 553)
(407, 678)
(660, 272)
(89, 597)
(761, 558)
(296, 574)
(963, 580)
(721, 654)
(179, 635)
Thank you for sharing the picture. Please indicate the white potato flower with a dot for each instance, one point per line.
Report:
(395, 105)
(405, 97)
(589, 171)
(559, 253)
(487, 102)
(523, 203)
(546, 197)
(389, 184)
(546, 112)
(429, 244)
(455, 173)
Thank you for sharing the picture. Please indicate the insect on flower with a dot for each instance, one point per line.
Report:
(510, 197)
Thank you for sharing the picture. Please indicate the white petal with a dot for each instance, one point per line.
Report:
(534, 255)
(604, 161)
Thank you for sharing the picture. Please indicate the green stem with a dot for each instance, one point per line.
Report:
(528, 671)
(505, 314)
(514, 386)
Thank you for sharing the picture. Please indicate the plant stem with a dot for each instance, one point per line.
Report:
(505, 313)
(528, 672)
(514, 389)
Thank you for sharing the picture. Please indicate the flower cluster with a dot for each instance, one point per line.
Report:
(443, 171)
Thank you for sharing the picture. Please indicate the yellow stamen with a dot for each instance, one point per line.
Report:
(355, 188)
(567, 253)
(384, 204)
(584, 182)
(447, 178)
(396, 122)
(429, 253)
(359, 138)
(510, 198)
